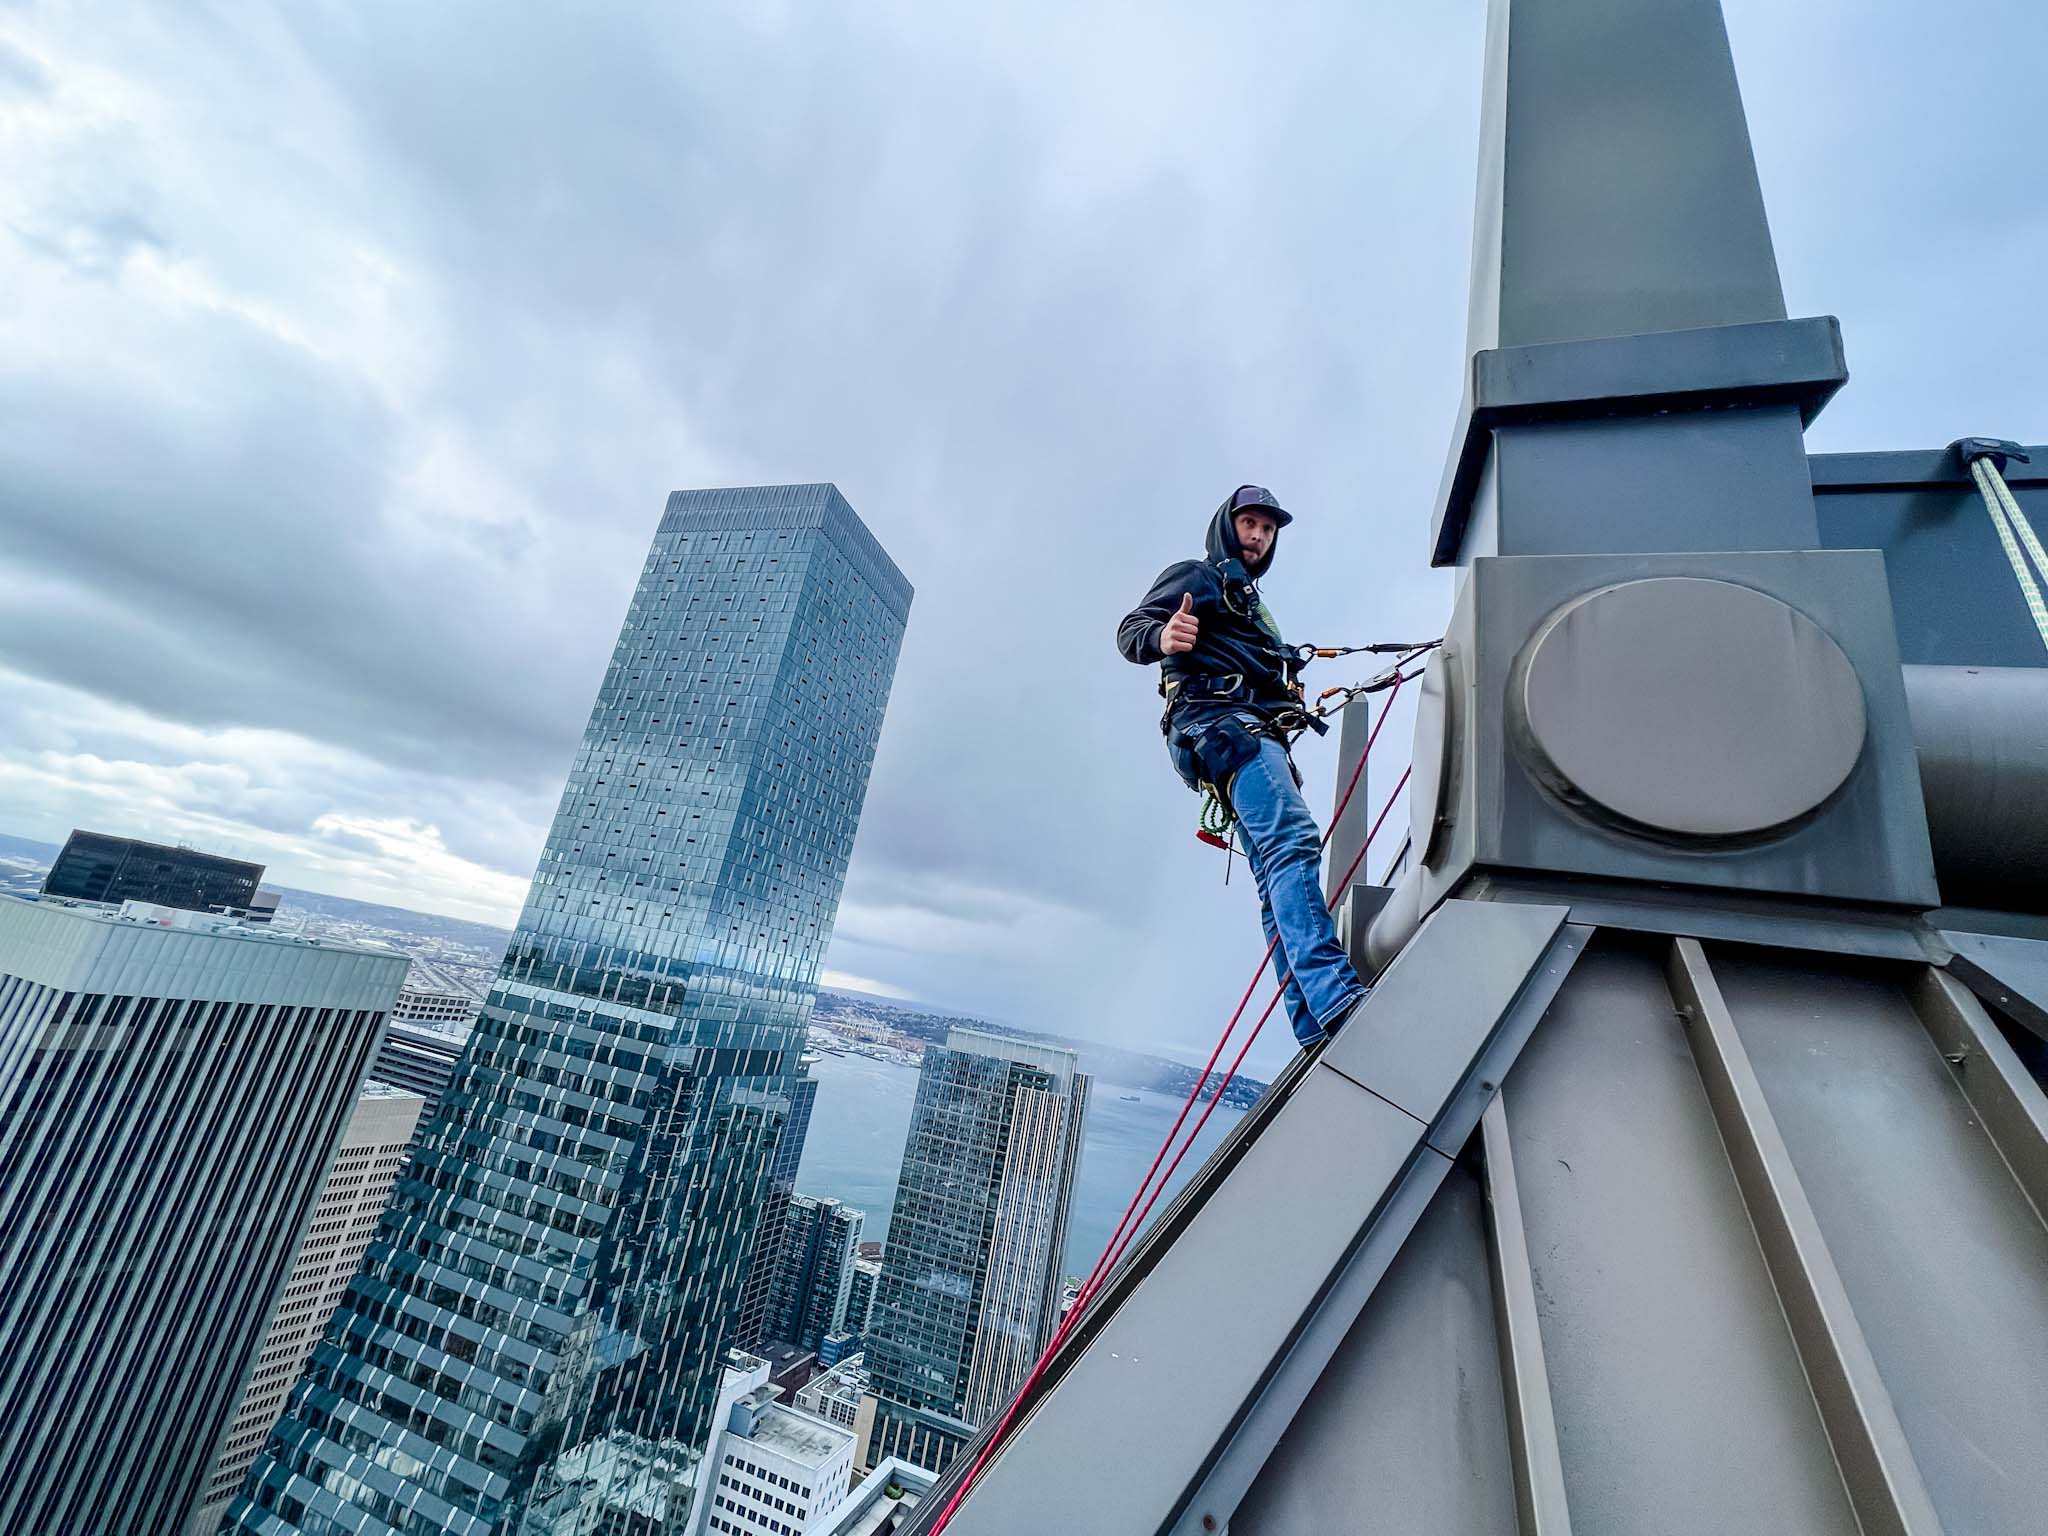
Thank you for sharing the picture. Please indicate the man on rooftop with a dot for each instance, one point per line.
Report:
(1231, 700)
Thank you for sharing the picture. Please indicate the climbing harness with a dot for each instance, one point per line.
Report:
(1155, 1183)
(1285, 724)
(1985, 458)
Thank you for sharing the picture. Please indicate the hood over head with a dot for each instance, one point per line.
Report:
(1222, 540)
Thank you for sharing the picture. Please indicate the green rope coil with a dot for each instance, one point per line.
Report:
(1217, 818)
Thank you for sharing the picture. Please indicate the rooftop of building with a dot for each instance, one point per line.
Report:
(372, 1089)
(870, 1510)
(143, 914)
(848, 1378)
(438, 1033)
(806, 1440)
(1056, 1059)
(427, 979)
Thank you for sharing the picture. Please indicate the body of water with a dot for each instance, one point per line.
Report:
(855, 1148)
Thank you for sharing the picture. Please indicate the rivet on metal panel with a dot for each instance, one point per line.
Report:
(1955, 1058)
(1208, 1522)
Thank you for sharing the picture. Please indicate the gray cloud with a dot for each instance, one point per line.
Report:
(351, 355)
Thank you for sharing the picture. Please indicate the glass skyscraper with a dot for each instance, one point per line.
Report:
(969, 1290)
(531, 1347)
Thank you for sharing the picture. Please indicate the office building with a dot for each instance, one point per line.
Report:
(835, 1347)
(835, 1395)
(353, 1197)
(431, 996)
(532, 1343)
(770, 1470)
(421, 1059)
(860, 1293)
(174, 1087)
(969, 1289)
(883, 1503)
(94, 866)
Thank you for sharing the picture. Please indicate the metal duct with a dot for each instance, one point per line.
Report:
(1982, 734)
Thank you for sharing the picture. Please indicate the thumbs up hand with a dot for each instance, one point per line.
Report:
(1180, 632)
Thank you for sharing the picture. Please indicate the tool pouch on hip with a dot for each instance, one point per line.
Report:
(1212, 751)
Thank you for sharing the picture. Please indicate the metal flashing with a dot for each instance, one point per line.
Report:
(1836, 474)
(1713, 367)
(2009, 973)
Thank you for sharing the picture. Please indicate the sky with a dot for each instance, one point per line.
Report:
(349, 352)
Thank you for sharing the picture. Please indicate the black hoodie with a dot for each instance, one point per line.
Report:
(1236, 637)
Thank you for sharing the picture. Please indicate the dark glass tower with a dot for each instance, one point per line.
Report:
(532, 1343)
(93, 866)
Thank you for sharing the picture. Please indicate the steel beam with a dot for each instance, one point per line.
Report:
(1878, 1471)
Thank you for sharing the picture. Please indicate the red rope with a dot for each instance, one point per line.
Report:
(1127, 1229)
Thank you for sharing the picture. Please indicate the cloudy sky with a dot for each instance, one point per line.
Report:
(347, 355)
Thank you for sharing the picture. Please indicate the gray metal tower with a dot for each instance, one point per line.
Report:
(1684, 1172)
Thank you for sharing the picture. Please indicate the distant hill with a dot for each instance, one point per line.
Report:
(918, 1021)
(44, 854)
(1107, 1063)
(424, 925)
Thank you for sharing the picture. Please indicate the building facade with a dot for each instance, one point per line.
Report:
(753, 1328)
(372, 1149)
(173, 1087)
(95, 866)
(860, 1294)
(969, 1290)
(532, 1342)
(771, 1470)
(789, 1147)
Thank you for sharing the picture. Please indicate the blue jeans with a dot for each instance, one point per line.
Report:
(1285, 852)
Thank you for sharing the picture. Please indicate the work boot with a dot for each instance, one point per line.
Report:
(1344, 1014)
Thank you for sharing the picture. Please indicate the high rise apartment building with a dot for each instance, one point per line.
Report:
(860, 1293)
(532, 1343)
(969, 1288)
(353, 1197)
(814, 1270)
(173, 1087)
